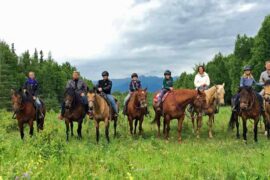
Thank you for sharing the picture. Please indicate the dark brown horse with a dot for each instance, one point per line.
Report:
(174, 107)
(249, 109)
(25, 111)
(136, 109)
(266, 96)
(101, 112)
(74, 111)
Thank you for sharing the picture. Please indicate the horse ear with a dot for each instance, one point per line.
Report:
(199, 92)
(145, 89)
(223, 84)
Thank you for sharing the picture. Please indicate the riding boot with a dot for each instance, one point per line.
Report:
(147, 112)
(41, 115)
(61, 116)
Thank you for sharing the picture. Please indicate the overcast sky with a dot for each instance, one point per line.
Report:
(125, 36)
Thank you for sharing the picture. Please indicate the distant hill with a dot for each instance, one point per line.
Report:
(152, 83)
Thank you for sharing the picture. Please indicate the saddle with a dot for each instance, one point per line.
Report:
(163, 98)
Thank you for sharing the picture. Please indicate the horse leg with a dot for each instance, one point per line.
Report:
(192, 120)
(164, 127)
(97, 130)
(180, 124)
(31, 125)
(157, 119)
(167, 119)
(20, 123)
(71, 128)
(107, 126)
(79, 130)
(210, 124)
(256, 129)
(244, 129)
(237, 128)
(136, 123)
(199, 125)
(130, 125)
(115, 125)
(67, 129)
(140, 125)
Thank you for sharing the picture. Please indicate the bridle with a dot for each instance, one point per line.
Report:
(252, 102)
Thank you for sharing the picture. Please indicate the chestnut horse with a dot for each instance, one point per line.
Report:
(136, 109)
(214, 98)
(101, 112)
(249, 109)
(74, 111)
(25, 111)
(174, 107)
(266, 96)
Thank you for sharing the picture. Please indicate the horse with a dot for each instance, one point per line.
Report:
(136, 109)
(74, 111)
(249, 109)
(266, 96)
(173, 107)
(101, 112)
(214, 98)
(25, 111)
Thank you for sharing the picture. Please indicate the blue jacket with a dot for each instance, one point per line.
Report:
(134, 85)
(248, 82)
(31, 85)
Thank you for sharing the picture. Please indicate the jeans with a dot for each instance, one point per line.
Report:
(112, 102)
(37, 103)
(162, 93)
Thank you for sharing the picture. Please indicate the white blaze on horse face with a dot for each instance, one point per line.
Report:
(221, 93)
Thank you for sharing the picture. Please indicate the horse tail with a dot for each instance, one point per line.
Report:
(233, 120)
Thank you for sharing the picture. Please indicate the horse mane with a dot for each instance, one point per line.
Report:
(71, 92)
(209, 94)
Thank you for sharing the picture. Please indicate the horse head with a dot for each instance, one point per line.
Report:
(142, 97)
(91, 97)
(246, 98)
(69, 98)
(220, 92)
(16, 99)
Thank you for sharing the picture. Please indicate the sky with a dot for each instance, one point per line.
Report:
(126, 36)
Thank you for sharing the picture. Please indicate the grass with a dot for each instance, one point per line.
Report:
(48, 156)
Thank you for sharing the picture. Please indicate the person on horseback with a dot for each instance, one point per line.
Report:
(104, 87)
(265, 76)
(31, 86)
(201, 80)
(80, 88)
(167, 86)
(247, 80)
(134, 85)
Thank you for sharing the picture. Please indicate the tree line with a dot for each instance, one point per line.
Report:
(252, 51)
(51, 76)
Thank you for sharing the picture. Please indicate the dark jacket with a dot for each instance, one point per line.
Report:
(106, 86)
(134, 85)
(167, 83)
(31, 85)
(78, 85)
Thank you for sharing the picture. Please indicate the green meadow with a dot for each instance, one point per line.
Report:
(47, 155)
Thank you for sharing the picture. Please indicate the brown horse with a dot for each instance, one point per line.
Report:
(136, 109)
(266, 96)
(74, 111)
(25, 112)
(214, 98)
(174, 107)
(101, 112)
(249, 109)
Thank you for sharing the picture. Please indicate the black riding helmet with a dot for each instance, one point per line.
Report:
(134, 75)
(105, 73)
(167, 72)
(247, 68)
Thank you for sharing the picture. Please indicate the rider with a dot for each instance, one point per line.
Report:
(201, 80)
(134, 85)
(247, 80)
(105, 86)
(167, 86)
(265, 76)
(80, 88)
(31, 85)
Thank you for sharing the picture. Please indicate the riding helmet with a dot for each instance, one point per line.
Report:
(247, 68)
(105, 73)
(134, 75)
(167, 72)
